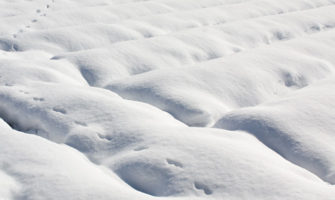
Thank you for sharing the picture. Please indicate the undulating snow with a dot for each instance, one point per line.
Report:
(167, 99)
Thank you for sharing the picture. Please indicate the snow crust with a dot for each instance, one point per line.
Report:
(167, 99)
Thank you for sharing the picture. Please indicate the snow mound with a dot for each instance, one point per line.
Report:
(299, 127)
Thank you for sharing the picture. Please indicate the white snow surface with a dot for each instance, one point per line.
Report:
(167, 99)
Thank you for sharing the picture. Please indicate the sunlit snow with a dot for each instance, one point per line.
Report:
(167, 99)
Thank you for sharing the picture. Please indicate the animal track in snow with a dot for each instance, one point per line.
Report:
(38, 11)
(60, 110)
(141, 148)
(201, 186)
(174, 162)
(80, 123)
(38, 99)
(24, 92)
(104, 137)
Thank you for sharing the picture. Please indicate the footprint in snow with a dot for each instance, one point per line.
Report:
(80, 123)
(140, 148)
(24, 92)
(201, 186)
(60, 110)
(174, 162)
(38, 99)
(105, 137)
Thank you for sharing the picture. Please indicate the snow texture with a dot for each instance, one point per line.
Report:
(167, 99)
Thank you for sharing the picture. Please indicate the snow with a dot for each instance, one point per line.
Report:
(308, 111)
(45, 169)
(167, 99)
